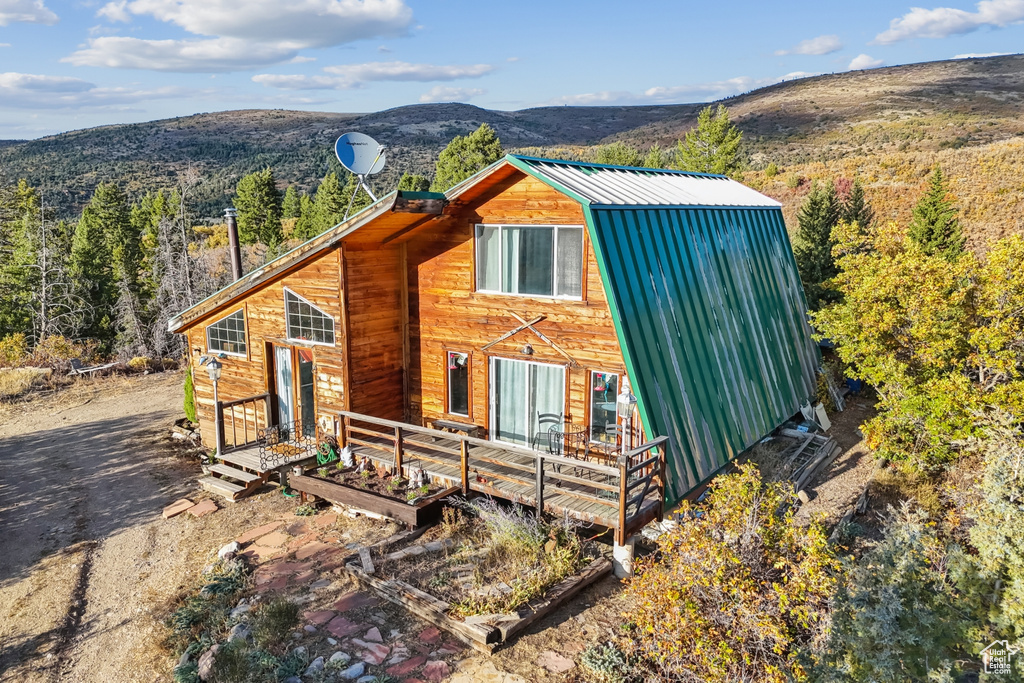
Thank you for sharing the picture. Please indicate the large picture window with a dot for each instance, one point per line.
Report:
(530, 260)
(306, 322)
(458, 383)
(227, 335)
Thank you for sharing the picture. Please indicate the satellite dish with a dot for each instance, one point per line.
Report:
(360, 154)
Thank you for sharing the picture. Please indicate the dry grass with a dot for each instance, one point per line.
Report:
(16, 381)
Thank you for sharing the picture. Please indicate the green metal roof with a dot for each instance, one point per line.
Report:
(709, 311)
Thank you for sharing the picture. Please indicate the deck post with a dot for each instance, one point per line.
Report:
(218, 422)
(663, 485)
(343, 432)
(540, 484)
(622, 557)
(399, 446)
(464, 457)
(620, 532)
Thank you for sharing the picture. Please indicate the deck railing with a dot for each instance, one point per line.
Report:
(629, 481)
(250, 413)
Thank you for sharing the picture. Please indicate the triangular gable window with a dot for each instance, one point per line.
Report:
(227, 335)
(306, 322)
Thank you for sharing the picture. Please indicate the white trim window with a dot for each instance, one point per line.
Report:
(604, 392)
(530, 260)
(526, 399)
(227, 335)
(305, 322)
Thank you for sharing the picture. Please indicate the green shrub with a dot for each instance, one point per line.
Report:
(187, 673)
(190, 397)
(232, 663)
(606, 664)
(273, 622)
(771, 171)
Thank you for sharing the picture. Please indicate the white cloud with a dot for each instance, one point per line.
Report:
(38, 91)
(348, 76)
(976, 55)
(384, 49)
(26, 11)
(444, 93)
(698, 92)
(822, 45)
(239, 34)
(5, 44)
(864, 62)
(512, 59)
(942, 22)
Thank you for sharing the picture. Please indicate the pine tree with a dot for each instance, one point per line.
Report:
(934, 226)
(356, 198)
(655, 158)
(618, 154)
(92, 268)
(464, 156)
(325, 211)
(124, 241)
(712, 146)
(817, 217)
(291, 205)
(258, 202)
(856, 209)
(411, 182)
(304, 224)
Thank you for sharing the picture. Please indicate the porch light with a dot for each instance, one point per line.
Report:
(213, 368)
(528, 349)
(626, 401)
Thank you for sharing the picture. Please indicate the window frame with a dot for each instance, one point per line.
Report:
(492, 429)
(590, 404)
(288, 324)
(556, 228)
(245, 334)
(469, 385)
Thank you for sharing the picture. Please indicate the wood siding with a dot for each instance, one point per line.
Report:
(447, 314)
(319, 283)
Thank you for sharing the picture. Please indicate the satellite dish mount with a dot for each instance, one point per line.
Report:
(362, 156)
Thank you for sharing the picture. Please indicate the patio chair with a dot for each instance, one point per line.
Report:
(545, 421)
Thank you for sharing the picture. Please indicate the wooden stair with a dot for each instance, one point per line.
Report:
(231, 482)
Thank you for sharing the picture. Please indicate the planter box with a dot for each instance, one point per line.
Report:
(481, 636)
(423, 512)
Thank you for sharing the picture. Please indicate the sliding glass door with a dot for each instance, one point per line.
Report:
(522, 391)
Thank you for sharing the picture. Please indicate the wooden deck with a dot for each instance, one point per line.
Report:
(623, 493)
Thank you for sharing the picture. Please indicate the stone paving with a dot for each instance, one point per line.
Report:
(346, 632)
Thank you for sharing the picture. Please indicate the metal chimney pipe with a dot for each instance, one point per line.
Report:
(233, 246)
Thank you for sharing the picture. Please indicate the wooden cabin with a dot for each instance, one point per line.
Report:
(522, 302)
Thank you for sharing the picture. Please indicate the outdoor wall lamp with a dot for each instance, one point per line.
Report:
(213, 368)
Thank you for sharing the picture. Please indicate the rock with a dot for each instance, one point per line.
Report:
(353, 672)
(176, 508)
(299, 651)
(436, 670)
(297, 635)
(206, 662)
(229, 549)
(430, 635)
(315, 667)
(240, 611)
(332, 641)
(406, 667)
(375, 653)
(802, 495)
(293, 679)
(414, 550)
(239, 632)
(433, 546)
(554, 662)
(309, 628)
(366, 679)
(185, 656)
(203, 508)
(320, 584)
(373, 635)
(339, 657)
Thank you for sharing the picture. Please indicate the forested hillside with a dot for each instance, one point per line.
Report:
(871, 122)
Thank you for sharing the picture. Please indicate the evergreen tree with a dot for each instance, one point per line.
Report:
(304, 225)
(464, 156)
(855, 207)
(712, 146)
(109, 207)
(655, 158)
(410, 182)
(326, 210)
(618, 154)
(291, 205)
(817, 217)
(258, 202)
(934, 226)
(92, 268)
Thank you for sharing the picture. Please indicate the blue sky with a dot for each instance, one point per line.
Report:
(70, 65)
